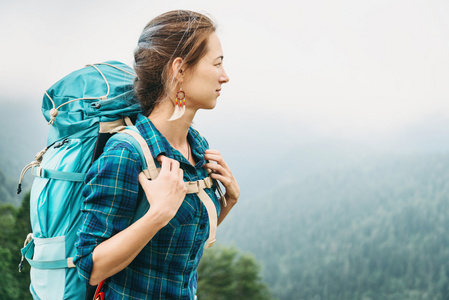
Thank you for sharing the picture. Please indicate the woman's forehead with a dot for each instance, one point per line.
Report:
(214, 49)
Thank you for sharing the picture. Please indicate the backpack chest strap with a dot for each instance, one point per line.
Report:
(194, 187)
(197, 187)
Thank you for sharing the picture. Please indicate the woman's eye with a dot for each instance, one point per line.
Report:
(218, 65)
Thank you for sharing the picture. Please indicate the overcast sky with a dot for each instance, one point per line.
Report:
(347, 67)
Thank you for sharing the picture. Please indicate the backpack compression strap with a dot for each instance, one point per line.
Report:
(193, 187)
(28, 253)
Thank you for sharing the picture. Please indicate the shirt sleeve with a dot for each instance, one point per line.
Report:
(111, 195)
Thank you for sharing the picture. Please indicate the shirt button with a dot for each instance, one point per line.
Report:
(186, 285)
(202, 226)
(192, 257)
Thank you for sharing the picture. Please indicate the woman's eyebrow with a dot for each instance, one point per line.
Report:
(221, 56)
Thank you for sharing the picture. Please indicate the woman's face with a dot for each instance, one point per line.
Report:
(202, 83)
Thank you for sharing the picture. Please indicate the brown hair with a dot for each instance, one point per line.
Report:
(179, 33)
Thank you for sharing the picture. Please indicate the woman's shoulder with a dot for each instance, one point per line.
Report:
(118, 146)
(119, 160)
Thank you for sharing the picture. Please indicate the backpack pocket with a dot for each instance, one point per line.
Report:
(48, 283)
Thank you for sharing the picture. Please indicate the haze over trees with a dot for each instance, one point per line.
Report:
(324, 221)
(351, 227)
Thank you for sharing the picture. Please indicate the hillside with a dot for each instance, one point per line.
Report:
(8, 187)
(367, 227)
(25, 135)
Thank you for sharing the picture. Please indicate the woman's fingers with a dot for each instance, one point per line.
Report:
(143, 180)
(165, 163)
(174, 166)
(214, 155)
(222, 173)
(216, 168)
(172, 171)
(223, 179)
(166, 192)
(212, 151)
(168, 164)
(181, 175)
(218, 165)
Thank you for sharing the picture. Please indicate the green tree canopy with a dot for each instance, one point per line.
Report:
(226, 274)
(14, 227)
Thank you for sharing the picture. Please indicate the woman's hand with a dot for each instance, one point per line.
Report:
(165, 193)
(221, 172)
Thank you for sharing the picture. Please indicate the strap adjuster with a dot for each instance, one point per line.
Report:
(38, 171)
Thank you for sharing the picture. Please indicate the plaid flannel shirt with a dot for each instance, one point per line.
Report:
(166, 267)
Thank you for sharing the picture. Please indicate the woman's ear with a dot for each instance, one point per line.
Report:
(177, 68)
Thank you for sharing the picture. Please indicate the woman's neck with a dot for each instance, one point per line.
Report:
(174, 131)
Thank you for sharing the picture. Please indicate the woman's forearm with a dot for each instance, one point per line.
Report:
(117, 252)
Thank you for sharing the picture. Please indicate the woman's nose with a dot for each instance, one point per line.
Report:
(224, 77)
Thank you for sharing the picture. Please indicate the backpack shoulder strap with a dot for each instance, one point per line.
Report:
(151, 172)
(132, 136)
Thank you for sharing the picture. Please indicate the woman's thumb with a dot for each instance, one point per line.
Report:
(143, 180)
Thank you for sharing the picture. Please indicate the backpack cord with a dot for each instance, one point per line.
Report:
(115, 67)
(222, 197)
(54, 111)
(27, 167)
(32, 164)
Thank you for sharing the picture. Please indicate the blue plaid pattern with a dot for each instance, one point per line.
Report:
(166, 267)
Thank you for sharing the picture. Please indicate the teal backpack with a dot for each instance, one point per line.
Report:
(84, 109)
(80, 109)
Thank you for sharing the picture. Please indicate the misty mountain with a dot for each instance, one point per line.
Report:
(347, 226)
(24, 134)
(8, 187)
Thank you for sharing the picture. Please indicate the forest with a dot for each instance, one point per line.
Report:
(357, 227)
(326, 221)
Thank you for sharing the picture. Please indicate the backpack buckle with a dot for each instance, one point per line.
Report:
(38, 171)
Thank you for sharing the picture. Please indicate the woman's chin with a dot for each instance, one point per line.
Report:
(210, 105)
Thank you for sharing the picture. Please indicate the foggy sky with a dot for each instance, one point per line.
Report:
(343, 68)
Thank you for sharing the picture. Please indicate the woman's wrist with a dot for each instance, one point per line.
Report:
(228, 201)
(156, 218)
(231, 200)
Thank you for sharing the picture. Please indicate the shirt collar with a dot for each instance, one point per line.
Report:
(158, 144)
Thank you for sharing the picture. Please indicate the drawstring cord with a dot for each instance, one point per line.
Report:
(55, 110)
(32, 164)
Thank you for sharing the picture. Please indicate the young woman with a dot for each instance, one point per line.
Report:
(179, 67)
